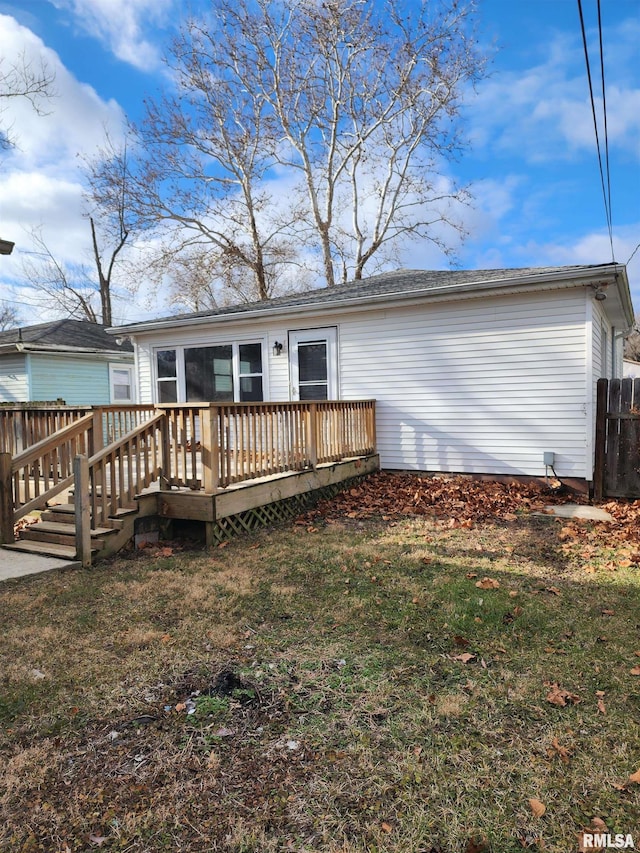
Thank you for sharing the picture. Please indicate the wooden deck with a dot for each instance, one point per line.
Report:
(200, 462)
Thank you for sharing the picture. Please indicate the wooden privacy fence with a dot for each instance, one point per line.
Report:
(617, 458)
(22, 426)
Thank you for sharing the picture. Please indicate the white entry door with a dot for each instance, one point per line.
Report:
(314, 364)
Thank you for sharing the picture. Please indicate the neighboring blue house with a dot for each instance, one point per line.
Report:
(70, 360)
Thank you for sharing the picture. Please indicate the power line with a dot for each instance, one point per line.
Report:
(605, 195)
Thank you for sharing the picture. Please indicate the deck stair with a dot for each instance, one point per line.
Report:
(55, 533)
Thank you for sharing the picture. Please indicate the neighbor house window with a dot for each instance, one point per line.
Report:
(121, 384)
(217, 374)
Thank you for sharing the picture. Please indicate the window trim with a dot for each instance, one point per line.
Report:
(235, 362)
(130, 368)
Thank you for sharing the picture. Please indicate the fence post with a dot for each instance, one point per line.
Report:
(600, 439)
(6, 500)
(82, 509)
(210, 426)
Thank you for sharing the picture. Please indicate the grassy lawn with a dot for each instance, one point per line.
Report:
(343, 684)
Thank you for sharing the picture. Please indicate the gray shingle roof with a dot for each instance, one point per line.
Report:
(388, 283)
(75, 334)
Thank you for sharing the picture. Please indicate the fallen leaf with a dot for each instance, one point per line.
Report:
(461, 641)
(608, 612)
(562, 751)
(559, 696)
(97, 840)
(635, 777)
(601, 707)
(537, 807)
(465, 657)
(553, 590)
(635, 670)
(488, 583)
(477, 845)
(386, 827)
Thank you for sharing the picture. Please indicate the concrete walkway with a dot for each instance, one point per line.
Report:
(17, 564)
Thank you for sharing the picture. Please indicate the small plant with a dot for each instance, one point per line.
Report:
(211, 706)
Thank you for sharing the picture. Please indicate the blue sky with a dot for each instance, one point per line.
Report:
(530, 162)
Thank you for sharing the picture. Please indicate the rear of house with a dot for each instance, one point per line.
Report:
(477, 372)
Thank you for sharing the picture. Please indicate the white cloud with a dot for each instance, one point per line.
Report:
(122, 26)
(40, 181)
(544, 113)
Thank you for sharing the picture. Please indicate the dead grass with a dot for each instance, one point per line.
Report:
(334, 708)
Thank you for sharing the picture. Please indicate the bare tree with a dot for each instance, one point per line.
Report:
(9, 316)
(632, 342)
(359, 100)
(204, 159)
(85, 290)
(112, 219)
(67, 287)
(23, 80)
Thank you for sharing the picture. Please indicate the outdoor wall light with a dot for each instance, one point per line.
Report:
(277, 348)
(600, 294)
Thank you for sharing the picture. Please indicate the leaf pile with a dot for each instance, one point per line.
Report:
(462, 501)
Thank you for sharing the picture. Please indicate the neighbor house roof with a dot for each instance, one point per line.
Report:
(409, 284)
(74, 336)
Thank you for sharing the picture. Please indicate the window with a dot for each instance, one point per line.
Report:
(250, 372)
(167, 376)
(121, 384)
(218, 374)
(313, 379)
(209, 374)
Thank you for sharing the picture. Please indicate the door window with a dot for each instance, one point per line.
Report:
(314, 369)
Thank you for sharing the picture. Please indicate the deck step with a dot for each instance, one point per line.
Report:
(48, 549)
(32, 535)
(68, 508)
(66, 529)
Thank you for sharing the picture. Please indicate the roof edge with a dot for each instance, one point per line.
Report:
(565, 274)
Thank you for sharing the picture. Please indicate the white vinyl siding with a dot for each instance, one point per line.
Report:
(475, 385)
(484, 386)
(14, 379)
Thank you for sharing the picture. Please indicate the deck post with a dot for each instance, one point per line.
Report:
(313, 435)
(6, 500)
(82, 509)
(210, 448)
(165, 452)
(97, 439)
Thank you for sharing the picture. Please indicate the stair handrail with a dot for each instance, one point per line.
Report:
(38, 451)
(134, 485)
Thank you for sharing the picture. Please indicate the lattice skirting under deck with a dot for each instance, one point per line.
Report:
(275, 513)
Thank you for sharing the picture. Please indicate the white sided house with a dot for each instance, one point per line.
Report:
(476, 372)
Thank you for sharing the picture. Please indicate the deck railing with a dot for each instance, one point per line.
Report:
(214, 445)
(203, 446)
